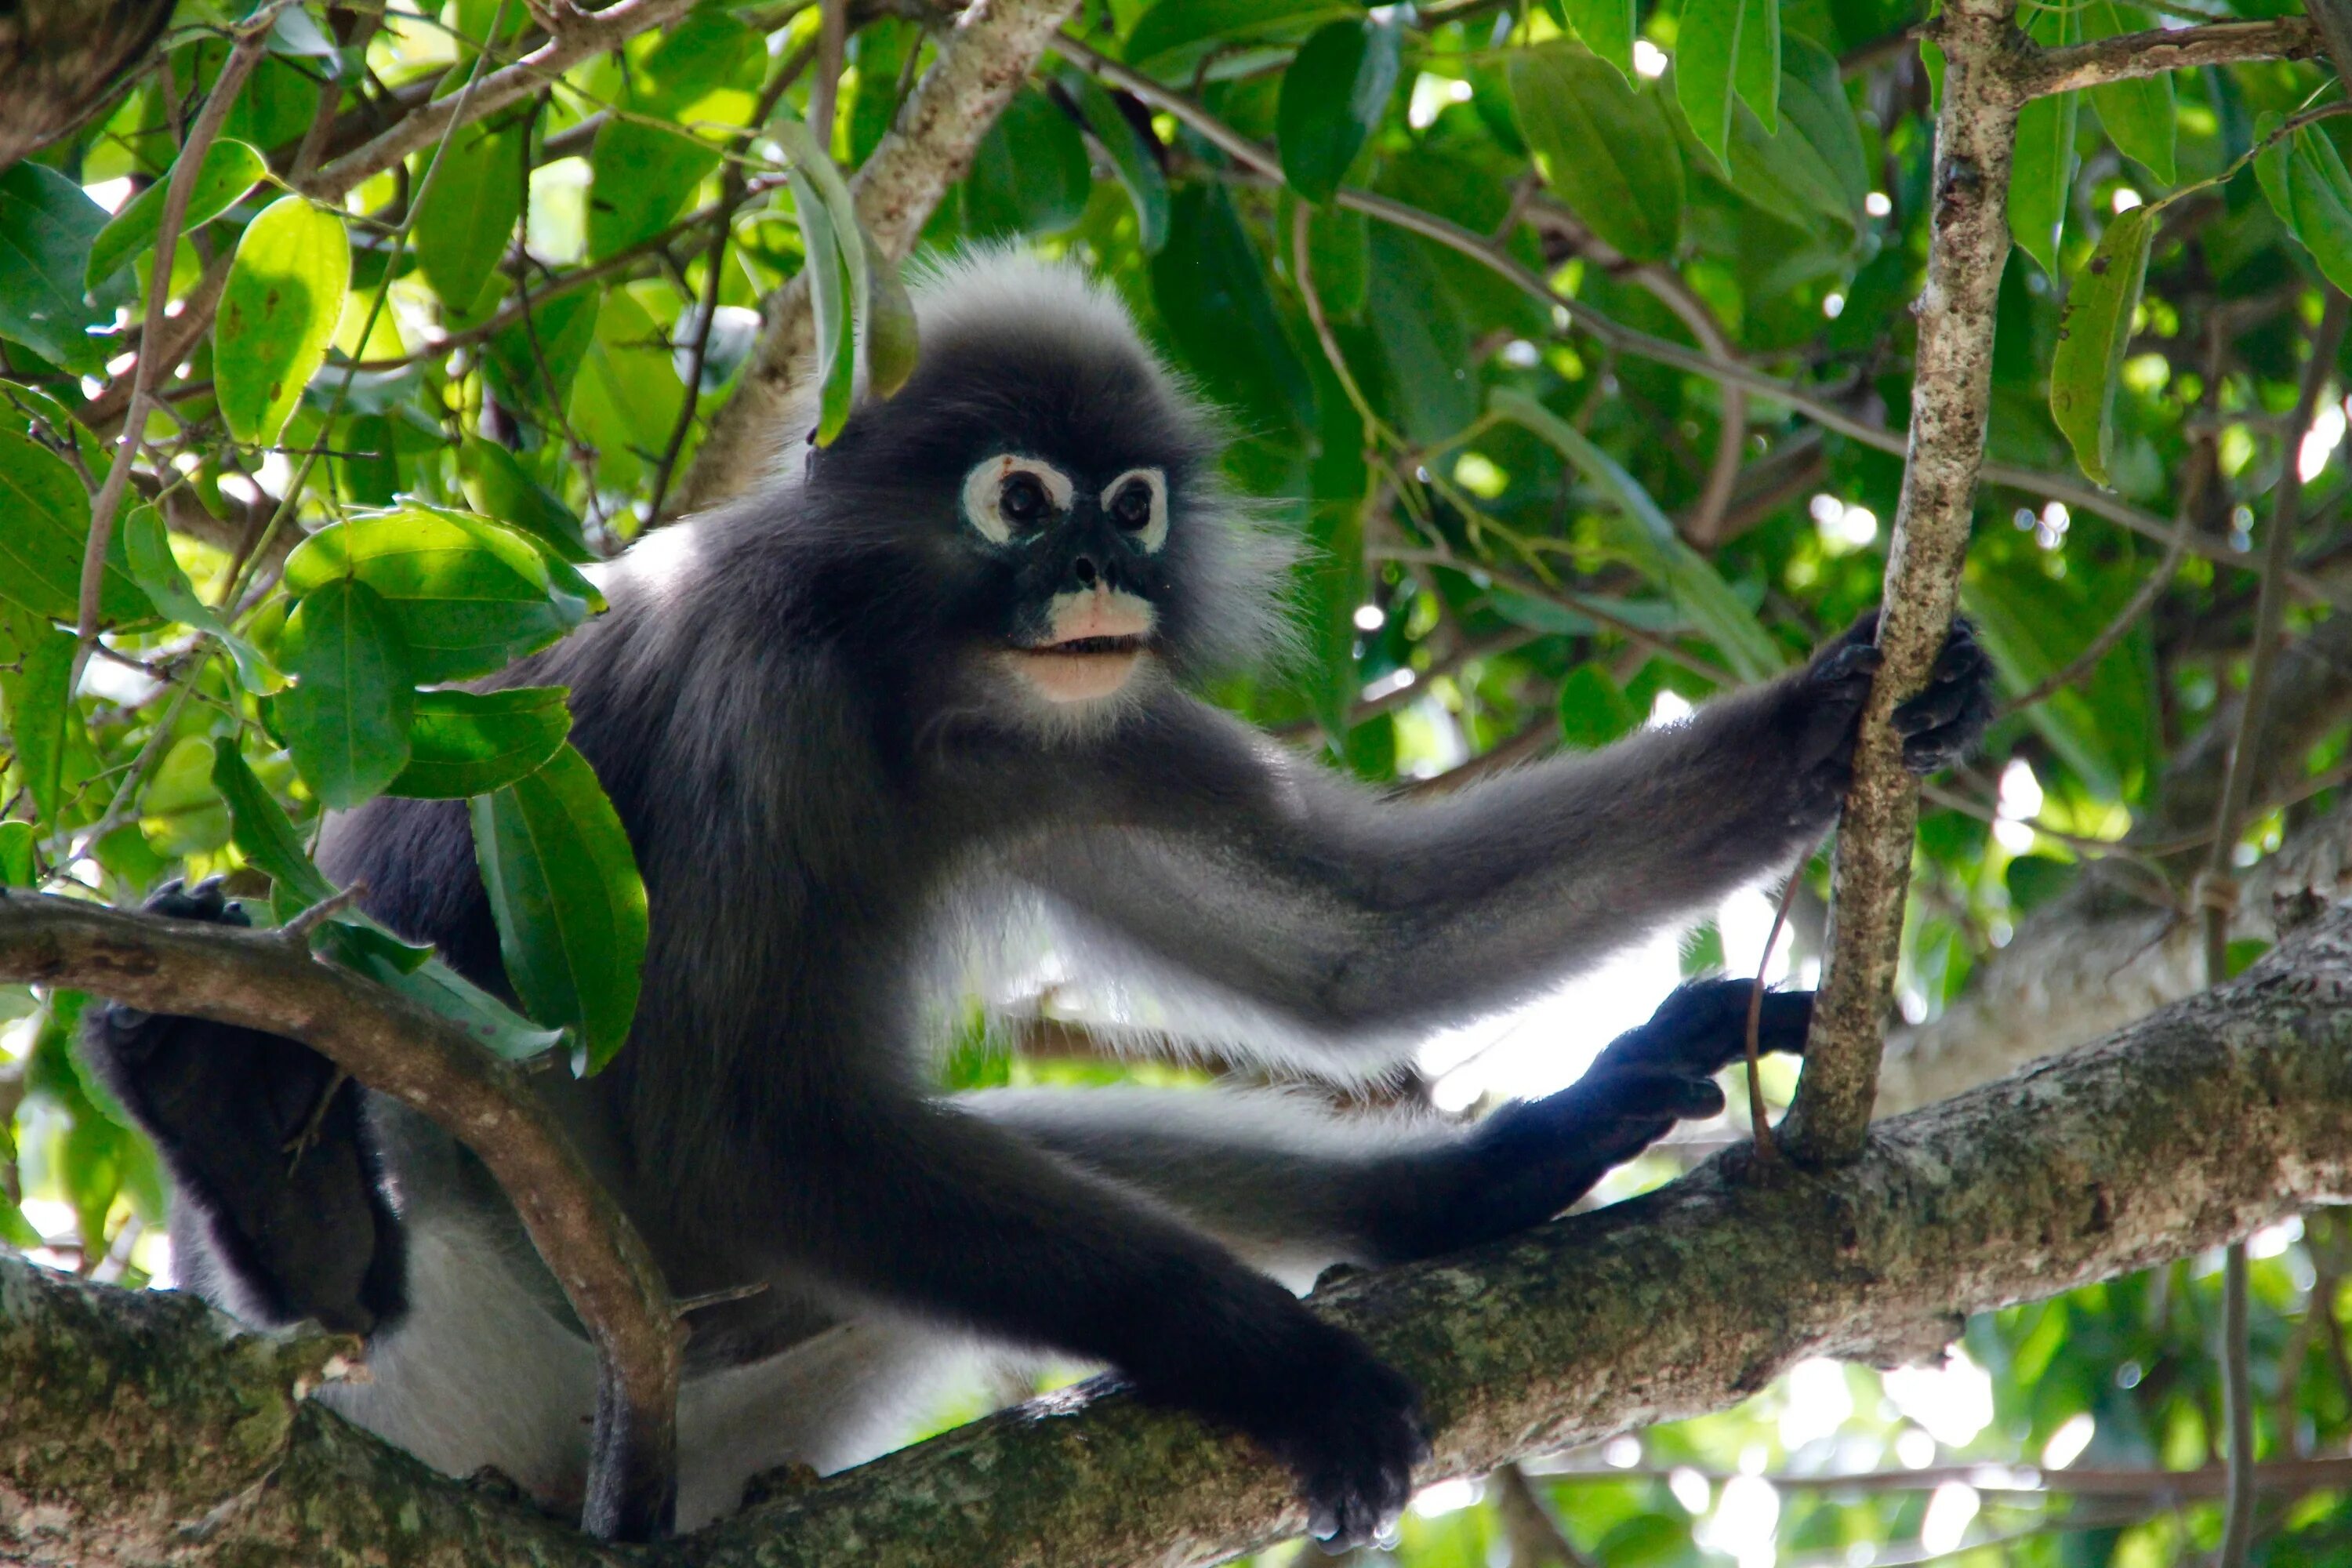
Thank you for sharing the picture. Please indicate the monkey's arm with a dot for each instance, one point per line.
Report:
(932, 1210)
(1271, 878)
(1296, 1188)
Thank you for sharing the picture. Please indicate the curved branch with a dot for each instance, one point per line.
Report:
(255, 980)
(2223, 1114)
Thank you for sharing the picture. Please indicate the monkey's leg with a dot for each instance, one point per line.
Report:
(1295, 1187)
(936, 1212)
(269, 1159)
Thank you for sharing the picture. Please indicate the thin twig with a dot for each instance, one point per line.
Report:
(824, 87)
(2217, 891)
(297, 931)
(1767, 1151)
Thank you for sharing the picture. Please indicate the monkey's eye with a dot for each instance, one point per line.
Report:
(1021, 498)
(1010, 492)
(1131, 508)
(1137, 502)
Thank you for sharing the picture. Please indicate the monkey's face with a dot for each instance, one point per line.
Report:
(1081, 549)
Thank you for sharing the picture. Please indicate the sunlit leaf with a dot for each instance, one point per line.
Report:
(278, 314)
(1604, 147)
(2042, 170)
(501, 489)
(570, 906)
(2305, 180)
(17, 863)
(35, 687)
(466, 595)
(2138, 113)
(1607, 28)
(230, 170)
(465, 219)
(1727, 49)
(471, 743)
(644, 176)
(346, 718)
(182, 813)
(1332, 98)
(2092, 337)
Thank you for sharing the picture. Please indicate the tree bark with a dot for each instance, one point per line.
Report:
(142, 1427)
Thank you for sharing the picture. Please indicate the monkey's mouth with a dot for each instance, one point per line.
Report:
(1079, 669)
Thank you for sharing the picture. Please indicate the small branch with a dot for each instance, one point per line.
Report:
(252, 40)
(2130, 55)
(296, 933)
(585, 34)
(254, 980)
(1766, 1150)
(824, 87)
(1967, 244)
(1536, 1537)
(981, 61)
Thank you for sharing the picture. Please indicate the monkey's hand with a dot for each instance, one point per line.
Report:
(1348, 1426)
(1939, 725)
(124, 1025)
(1530, 1161)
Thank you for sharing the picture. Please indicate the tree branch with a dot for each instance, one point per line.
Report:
(2129, 55)
(980, 63)
(1952, 381)
(254, 979)
(2223, 1114)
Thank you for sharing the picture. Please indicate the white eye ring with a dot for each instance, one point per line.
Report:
(1154, 533)
(985, 487)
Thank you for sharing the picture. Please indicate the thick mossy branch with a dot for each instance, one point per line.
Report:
(2221, 1114)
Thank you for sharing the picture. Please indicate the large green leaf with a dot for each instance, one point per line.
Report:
(1727, 49)
(834, 285)
(18, 866)
(531, 364)
(1136, 164)
(278, 314)
(2042, 170)
(471, 743)
(1423, 338)
(264, 834)
(2032, 625)
(1648, 540)
(1605, 147)
(2305, 180)
(44, 530)
(148, 552)
(641, 178)
(346, 720)
(569, 903)
(47, 228)
(1332, 98)
(1594, 709)
(230, 170)
(1029, 173)
(1210, 288)
(466, 217)
(2092, 336)
(181, 812)
(2139, 113)
(467, 596)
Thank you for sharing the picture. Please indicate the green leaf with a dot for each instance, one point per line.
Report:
(1649, 542)
(1136, 164)
(30, 411)
(2139, 113)
(278, 314)
(346, 720)
(40, 710)
(47, 228)
(2304, 179)
(836, 247)
(1727, 49)
(2106, 729)
(263, 833)
(1338, 250)
(16, 863)
(1211, 290)
(230, 169)
(893, 337)
(148, 548)
(2092, 336)
(1332, 98)
(45, 530)
(181, 813)
(464, 222)
(1815, 108)
(1423, 338)
(1607, 28)
(1594, 709)
(2042, 170)
(1174, 34)
(641, 178)
(465, 595)
(1605, 147)
(570, 906)
(499, 488)
(531, 364)
(471, 743)
(1029, 173)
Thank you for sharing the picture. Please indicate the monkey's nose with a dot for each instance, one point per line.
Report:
(1084, 570)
